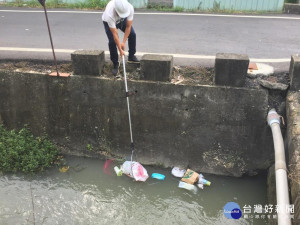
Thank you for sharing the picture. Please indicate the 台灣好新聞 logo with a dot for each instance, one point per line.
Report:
(232, 211)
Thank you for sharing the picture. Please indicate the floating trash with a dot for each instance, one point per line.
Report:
(158, 176)
(177, 172)
(64, 169)
(187, 186)
(106, 166)
(135, 170)
(118, 171)
(190, 177)
(203, 181)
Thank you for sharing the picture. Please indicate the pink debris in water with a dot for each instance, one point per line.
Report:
(107, 165)
(140, 172)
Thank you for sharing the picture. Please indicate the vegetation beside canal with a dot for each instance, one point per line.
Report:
(20, 151)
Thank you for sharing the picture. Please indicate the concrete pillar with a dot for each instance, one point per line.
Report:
(291, 8)
(88, 62)
(161, 3)
(231, 69)
(156, 67)
(295, 73)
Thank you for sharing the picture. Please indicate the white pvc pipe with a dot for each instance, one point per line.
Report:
(282, 191)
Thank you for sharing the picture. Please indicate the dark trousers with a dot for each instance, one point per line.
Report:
(112, 45)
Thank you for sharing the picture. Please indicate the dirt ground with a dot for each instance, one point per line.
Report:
(181, 75)
(32, 66)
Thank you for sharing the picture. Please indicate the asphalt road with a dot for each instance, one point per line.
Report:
(192, 38)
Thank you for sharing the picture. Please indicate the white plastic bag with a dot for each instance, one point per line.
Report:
(135, 170)
(177, 172)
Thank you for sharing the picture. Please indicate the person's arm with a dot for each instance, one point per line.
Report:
(117, 40)
(126, 33)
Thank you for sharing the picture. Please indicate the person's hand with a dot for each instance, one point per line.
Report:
(123, 46)
(122, 53)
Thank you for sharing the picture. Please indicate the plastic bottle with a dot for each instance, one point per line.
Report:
(206, 182)
(118, 171)
(203, 181)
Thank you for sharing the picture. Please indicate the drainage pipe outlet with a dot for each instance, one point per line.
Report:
(282, 191)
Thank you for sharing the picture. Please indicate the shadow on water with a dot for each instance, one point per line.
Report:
(87, 195)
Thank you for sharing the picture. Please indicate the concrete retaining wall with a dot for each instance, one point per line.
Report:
(218, 130)
(293, 141)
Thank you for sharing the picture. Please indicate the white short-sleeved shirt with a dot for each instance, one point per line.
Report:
(111, 16)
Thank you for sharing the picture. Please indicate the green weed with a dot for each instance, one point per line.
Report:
(89, 147)
(22, 152)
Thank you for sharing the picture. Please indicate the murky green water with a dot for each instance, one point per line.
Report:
(86, 195)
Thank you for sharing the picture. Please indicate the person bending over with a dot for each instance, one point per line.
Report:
(118, 14)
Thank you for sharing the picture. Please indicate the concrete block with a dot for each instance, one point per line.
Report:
(289, 8)
(231, 69)
(88, 62)
(295, 73)
(156, 67)
(162, 3)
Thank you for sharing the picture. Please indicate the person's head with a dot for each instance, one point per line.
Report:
(122, 8)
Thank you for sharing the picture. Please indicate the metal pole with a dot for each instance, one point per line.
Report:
(127, 98)
(44, 5)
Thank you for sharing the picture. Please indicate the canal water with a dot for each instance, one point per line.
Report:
(87, 195)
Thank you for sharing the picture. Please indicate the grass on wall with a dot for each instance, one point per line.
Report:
(87, 4)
